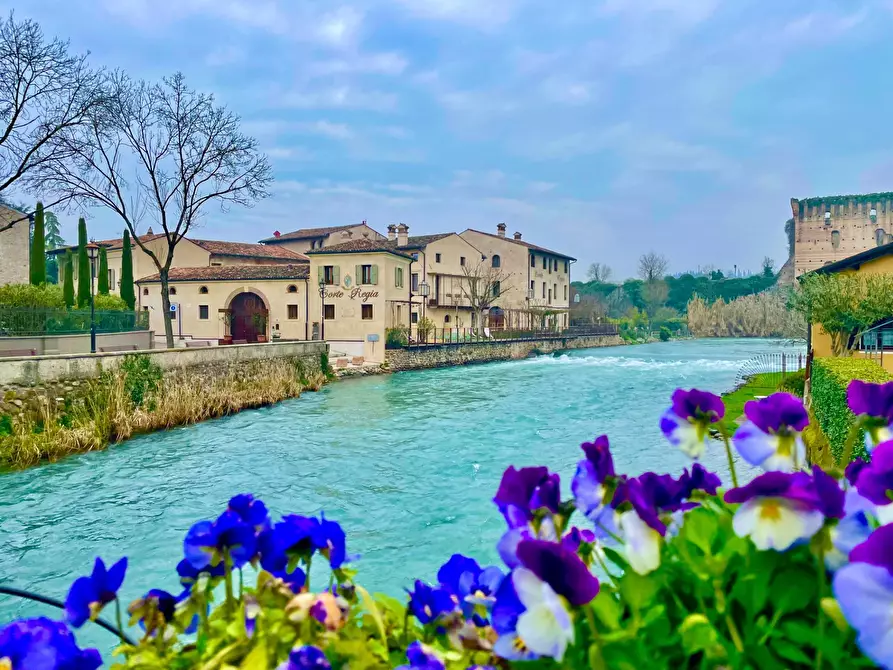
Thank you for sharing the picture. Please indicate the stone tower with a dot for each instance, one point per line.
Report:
(831, 228)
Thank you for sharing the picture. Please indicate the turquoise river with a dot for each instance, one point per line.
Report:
(408, 463)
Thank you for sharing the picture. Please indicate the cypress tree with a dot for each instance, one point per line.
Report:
(83, 266)
(102, 282)
(127, 294)
(68, 279)
(38, 249)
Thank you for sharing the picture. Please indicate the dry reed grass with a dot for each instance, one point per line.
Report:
(760, 315)
(106, 413)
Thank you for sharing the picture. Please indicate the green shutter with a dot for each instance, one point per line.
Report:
(374, 275)
(321, 271)
(336, 273)
(358, 274)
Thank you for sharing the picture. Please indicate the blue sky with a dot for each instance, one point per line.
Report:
(601, 128)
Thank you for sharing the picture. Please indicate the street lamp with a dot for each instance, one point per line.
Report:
(322, 300)
(92, 254)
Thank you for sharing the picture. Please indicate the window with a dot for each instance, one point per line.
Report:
(550, 296)
(462, 261)
(414, 285)
(565, 291)
(415, 255)
(216, 265)
(496, 261)
(292, 289)
(532, 261)
(566, 268)
(111, 277)
(550, 266)
(544, 290)
(203, 290)
(555, 290)
(446, 318)
(172, 290)
(146, 308)
(414, 317)
(328, 312)
(437, 258)
(835, 239)
(544, 262)
(398, 277)
(366, 274)
(366, 312)
(146, 292)
(496, 289)
(532, 287)
(203, 312)
(292, 312)
(328, 274)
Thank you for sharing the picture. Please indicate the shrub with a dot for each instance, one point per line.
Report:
(141, 378)
(396, 337)
(828, 384)
(665, 334)
(110, 303)
(28, 295)
(794, 383)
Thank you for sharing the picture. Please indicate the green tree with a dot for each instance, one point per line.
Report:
(844, 305)
(83, 266)
(54, 240)
(68, 279)
(102, 280)
(127, 293)
(38, 249)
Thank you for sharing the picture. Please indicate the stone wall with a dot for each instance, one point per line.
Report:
(436, 356)
(24, 382)
(14, 248)
(48, 345)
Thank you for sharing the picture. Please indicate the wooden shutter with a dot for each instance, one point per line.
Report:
(373, 279)
(358, 274)
(321, 271)
(336, 273)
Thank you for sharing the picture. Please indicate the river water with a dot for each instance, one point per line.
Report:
(408, 463)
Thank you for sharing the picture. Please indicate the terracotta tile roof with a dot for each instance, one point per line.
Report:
(247, 250)
(234, 272)
(111, 245)
(360, 245)
(525, 244)
(307, 233)
(420, 241)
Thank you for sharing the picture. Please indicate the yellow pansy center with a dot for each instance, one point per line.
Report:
(770, 510)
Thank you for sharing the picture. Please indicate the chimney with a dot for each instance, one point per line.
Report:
(149, 232)
(517, 236)
(392, 232)
(276, 234)
(402, 235)
(500, 229)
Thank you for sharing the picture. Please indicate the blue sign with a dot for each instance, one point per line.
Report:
(173, 307)
(372, 338)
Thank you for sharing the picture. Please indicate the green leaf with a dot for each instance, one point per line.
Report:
(793, 589)
(607, 609)
(698, 634)
(638, 590)
(699, 528)
(370, 606)
(616, 558)
(789, 651)
(256, 660)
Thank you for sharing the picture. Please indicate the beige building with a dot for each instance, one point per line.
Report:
(15, 252)
(308, 239)
(832, 228)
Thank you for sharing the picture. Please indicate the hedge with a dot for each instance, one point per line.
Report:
(828, 384)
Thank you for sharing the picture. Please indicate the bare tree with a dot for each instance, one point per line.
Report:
(653, 266)
(599, 272)
(184, 150)
(44, 91)
(483, 285)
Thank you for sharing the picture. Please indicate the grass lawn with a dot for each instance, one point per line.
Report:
(761, 384)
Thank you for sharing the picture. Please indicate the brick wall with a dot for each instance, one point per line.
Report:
(484, 352)
(14, 252)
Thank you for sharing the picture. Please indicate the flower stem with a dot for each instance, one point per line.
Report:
(228, 577)
(820, 569)
(727, 443)
(118, 618)
(307, 562)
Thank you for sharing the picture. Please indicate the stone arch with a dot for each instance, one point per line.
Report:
(249, 315)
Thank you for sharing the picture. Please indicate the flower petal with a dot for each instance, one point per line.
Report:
(642, 543)
(865, 595)
(683, 434)
(753, 444)
(776, 523)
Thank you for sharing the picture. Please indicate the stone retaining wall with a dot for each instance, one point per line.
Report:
(436, 356)
(57, 345)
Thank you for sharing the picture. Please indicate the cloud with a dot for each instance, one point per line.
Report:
(335, 131)
(339, 97)
(225, 55)
(388, 63)
(480, 14)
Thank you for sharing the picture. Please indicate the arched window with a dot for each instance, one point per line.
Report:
(145, 291)
(292, 288)
(172, 290)
(203, 290)
(446, 318)
(496, 289)
(496, 261)
(835, 239)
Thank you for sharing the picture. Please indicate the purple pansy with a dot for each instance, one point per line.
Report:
(293, 537)
(831, 497)
(864, 590)
(88, 595)
(770, 438)
(522, 492)
(560, 568)
(853, 469)
(777, 510)
(206, 542)
(576, 537)
(686, 423)
(873, 405)
(700, 479)
(875, 480)
(428, 603)
(852, 530)
(589, 483)
(43, 644)
(472, 585)
(306, 658)
(421, 657)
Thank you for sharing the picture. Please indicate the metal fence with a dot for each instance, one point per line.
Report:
(877, 340)
(771, 369)
(401, 338)
(28, 321)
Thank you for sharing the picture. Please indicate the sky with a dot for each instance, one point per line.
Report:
(603, 129)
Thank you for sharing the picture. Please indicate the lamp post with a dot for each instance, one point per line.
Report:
(92, 253)
(322, 301)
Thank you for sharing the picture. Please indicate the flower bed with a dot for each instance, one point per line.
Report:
(794, 569)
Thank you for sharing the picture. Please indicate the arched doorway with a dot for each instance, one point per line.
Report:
(496, 320)
(249, 317)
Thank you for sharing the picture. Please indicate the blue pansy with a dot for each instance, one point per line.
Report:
(504, 618)
(590, 483)
(330, 541)
(43, 644)
(250, 510)
(88, 595)
(306, 658)
(852, 530)
(421, 657)
(428, 603)
(207, 541)
(291, 538)
(472, 585)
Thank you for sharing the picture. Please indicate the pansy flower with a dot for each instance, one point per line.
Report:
(777, 510)
(43, 644)
(250, 510)
(875, 480)
(504, 619)
(473, 586)
(523, 492)
(206, 542)
(88, 595)
(560, 568)
(770, 438)
(306, 658)
(154, 610)
(292, 538)
(852, 530)
(873, 406)
(428, 603)
(686, 424)
(590, 485)
(421, 657)
(864, 591)
(329, 540)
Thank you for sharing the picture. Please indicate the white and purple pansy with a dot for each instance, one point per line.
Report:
(864, 591)
(778, 509)
(770, 438)
(474, 587)
(686, 424)
(852, 530)
(873, 406)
